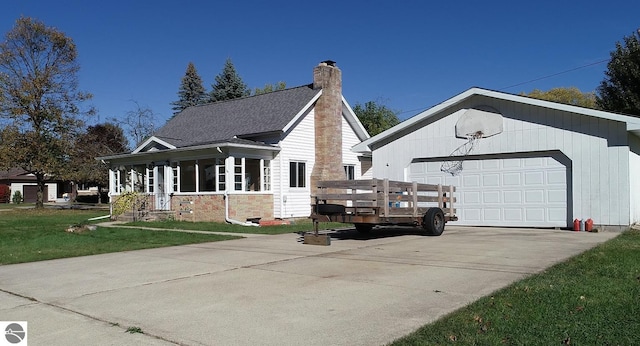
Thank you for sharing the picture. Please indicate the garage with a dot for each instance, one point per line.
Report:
(526, 162)
(512, 192)
(30, 193)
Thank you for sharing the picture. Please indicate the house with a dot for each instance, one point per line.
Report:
(248, 158)
(20, 180)
(525, 162)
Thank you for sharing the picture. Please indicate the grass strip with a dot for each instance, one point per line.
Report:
(36, 235)
(298, 226)
(591, 299)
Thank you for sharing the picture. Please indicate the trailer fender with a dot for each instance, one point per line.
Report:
(330, 209)
(363, 227)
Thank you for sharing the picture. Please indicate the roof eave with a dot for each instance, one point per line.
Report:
(302, 112)
(192, 148)
(633, 123)
(353, 120)
(366, 145)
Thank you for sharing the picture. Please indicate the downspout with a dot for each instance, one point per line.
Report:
(226, 214)
(110, 205)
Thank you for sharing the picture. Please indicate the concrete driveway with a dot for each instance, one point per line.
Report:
(272, 290)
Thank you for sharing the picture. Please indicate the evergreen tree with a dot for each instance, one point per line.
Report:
(191, 91)
(270, 88)
(228, 85)
(620, 90)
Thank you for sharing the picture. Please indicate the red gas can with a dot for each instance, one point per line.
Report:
(576, 225)
(588, 226)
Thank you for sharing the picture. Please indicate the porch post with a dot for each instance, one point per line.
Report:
(229, 168)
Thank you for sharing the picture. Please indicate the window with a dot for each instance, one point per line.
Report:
(176, 178)
(237, 174)
(297, 174)
(202, 175)
(252, 174)
(266, 175)
(221, 175)
(150, 180)
(350, 172)
(210, 175)
(188, 176)
(138, 178)
(115, 188)
(122, 179)
(207, 175)
(125, 179)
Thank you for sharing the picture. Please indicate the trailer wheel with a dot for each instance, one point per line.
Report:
(433, 221)
(330, 209)
(363, 227)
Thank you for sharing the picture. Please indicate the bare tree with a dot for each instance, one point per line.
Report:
(138, 124)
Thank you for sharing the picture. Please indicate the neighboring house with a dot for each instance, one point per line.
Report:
(538, 163)
(253, 157)
(19, 180)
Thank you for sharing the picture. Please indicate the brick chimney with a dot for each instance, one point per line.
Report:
(328, 124)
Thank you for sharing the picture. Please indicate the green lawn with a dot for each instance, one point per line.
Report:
(28, 235)
(592, 299)
(297, 226)
(13, 206)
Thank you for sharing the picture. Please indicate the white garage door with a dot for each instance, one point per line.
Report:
(518, 192)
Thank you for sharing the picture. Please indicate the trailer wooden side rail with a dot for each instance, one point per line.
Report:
(366, 203)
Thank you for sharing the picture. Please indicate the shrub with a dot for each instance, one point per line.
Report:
(5, 193)
(17, 197)
(125, 202)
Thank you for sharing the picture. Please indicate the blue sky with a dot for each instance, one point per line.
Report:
(410, 55)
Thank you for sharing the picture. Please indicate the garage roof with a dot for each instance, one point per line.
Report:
(409, 125)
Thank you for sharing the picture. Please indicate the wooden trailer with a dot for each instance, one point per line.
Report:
(367, 203)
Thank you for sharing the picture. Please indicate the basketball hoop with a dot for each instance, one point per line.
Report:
(454, 165)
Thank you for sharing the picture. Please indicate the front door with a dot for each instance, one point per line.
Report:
(163, 202)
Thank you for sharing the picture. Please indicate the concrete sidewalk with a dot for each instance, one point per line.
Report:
(272, 290)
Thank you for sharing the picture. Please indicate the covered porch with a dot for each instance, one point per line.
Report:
(215, 182)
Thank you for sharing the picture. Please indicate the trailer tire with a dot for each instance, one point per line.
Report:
(363, 227)
(433, 221)
(330, 209)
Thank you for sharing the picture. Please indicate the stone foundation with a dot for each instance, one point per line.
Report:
(211, 207)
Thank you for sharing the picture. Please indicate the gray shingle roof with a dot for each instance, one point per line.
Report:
(221, 121)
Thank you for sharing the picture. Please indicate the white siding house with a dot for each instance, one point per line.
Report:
(298, 147)
(245, 159)
(546, 165)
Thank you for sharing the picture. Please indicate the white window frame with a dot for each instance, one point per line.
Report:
(221, 185)
(265, 177)
(175, 179)
(238, 174)
(297, 175)
(348, 168)
(150, 179)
